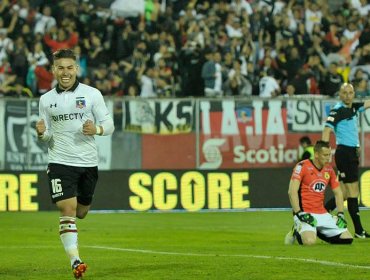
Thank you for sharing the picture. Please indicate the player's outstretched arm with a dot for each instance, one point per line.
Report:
(326, 134)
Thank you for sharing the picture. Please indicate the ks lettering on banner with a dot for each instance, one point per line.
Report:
(158, 116)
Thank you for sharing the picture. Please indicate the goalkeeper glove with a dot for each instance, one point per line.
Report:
(306, 218)
(341, 222)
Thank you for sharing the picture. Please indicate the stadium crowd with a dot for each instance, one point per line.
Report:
(155, 48)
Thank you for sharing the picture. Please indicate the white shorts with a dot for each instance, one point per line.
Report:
(326, 225)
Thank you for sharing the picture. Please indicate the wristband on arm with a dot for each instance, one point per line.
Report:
(98, 130)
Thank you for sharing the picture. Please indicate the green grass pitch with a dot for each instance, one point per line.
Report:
(211, 245)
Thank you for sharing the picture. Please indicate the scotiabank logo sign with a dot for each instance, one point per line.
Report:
(237, 134)
(271, 155)
(212, 154)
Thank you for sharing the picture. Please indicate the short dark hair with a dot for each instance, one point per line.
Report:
(64, 53)
(321, 144)
(305, 140)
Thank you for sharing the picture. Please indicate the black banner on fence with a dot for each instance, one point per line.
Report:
(23, 150)
(165, 190)
(157, 190)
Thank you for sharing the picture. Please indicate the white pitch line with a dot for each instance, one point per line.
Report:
(328, 263)
(143, 251)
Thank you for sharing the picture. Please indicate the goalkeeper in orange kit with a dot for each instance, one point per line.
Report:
(307, 187)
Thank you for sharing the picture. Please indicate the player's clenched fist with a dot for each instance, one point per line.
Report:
(40, 127)
(88, 128)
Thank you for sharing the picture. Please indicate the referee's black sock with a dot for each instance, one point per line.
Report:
(355, 213)
(330, 205)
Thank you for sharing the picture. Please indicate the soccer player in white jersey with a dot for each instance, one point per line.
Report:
(71, 115)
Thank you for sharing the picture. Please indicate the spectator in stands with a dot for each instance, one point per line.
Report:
(332, 38)
(8, 13)
(360, 74)
(96, 54)
(13, 87)
(317, 31)
(165, 72)
(294, 63)
(332, 81)
(115, 75)
(18, 59)
(81, 59)
(148, 81)
(125, 41)
(134, 31)
(365, 55)
(132, 90)
(44, 21)
(365, 35)
(268, 85)
(362, 6)
(361, 87)
(267, 62)
(44, 78)
(254, 77)
(314, 70)
(233, 27)
(212, 75)
(302, 39)
(37, 55)
(237, 84)
(101, 79)
(25, 11)
(313, 14)
(6, 44)
(7, 79)
(152, 14)
(306, 148)
(289, 93)
(227, 64)
(86, 13)
(64, 39)
(238, 6)
(29, 37)
(300, 82)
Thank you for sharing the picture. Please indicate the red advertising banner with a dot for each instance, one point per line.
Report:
(240, 134)
(168, 151)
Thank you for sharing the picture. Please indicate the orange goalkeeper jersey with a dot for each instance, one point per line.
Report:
(313, 185)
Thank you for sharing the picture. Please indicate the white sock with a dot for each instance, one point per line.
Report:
(68, 236)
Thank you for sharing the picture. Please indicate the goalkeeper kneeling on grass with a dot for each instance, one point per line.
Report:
(306, 193)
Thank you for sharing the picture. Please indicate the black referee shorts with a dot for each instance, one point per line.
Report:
(347, 161)
(71, 181)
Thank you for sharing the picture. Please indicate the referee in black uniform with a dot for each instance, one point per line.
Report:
(343, 119)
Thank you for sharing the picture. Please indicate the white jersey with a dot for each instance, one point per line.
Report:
(268, 85)
(64, 113)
